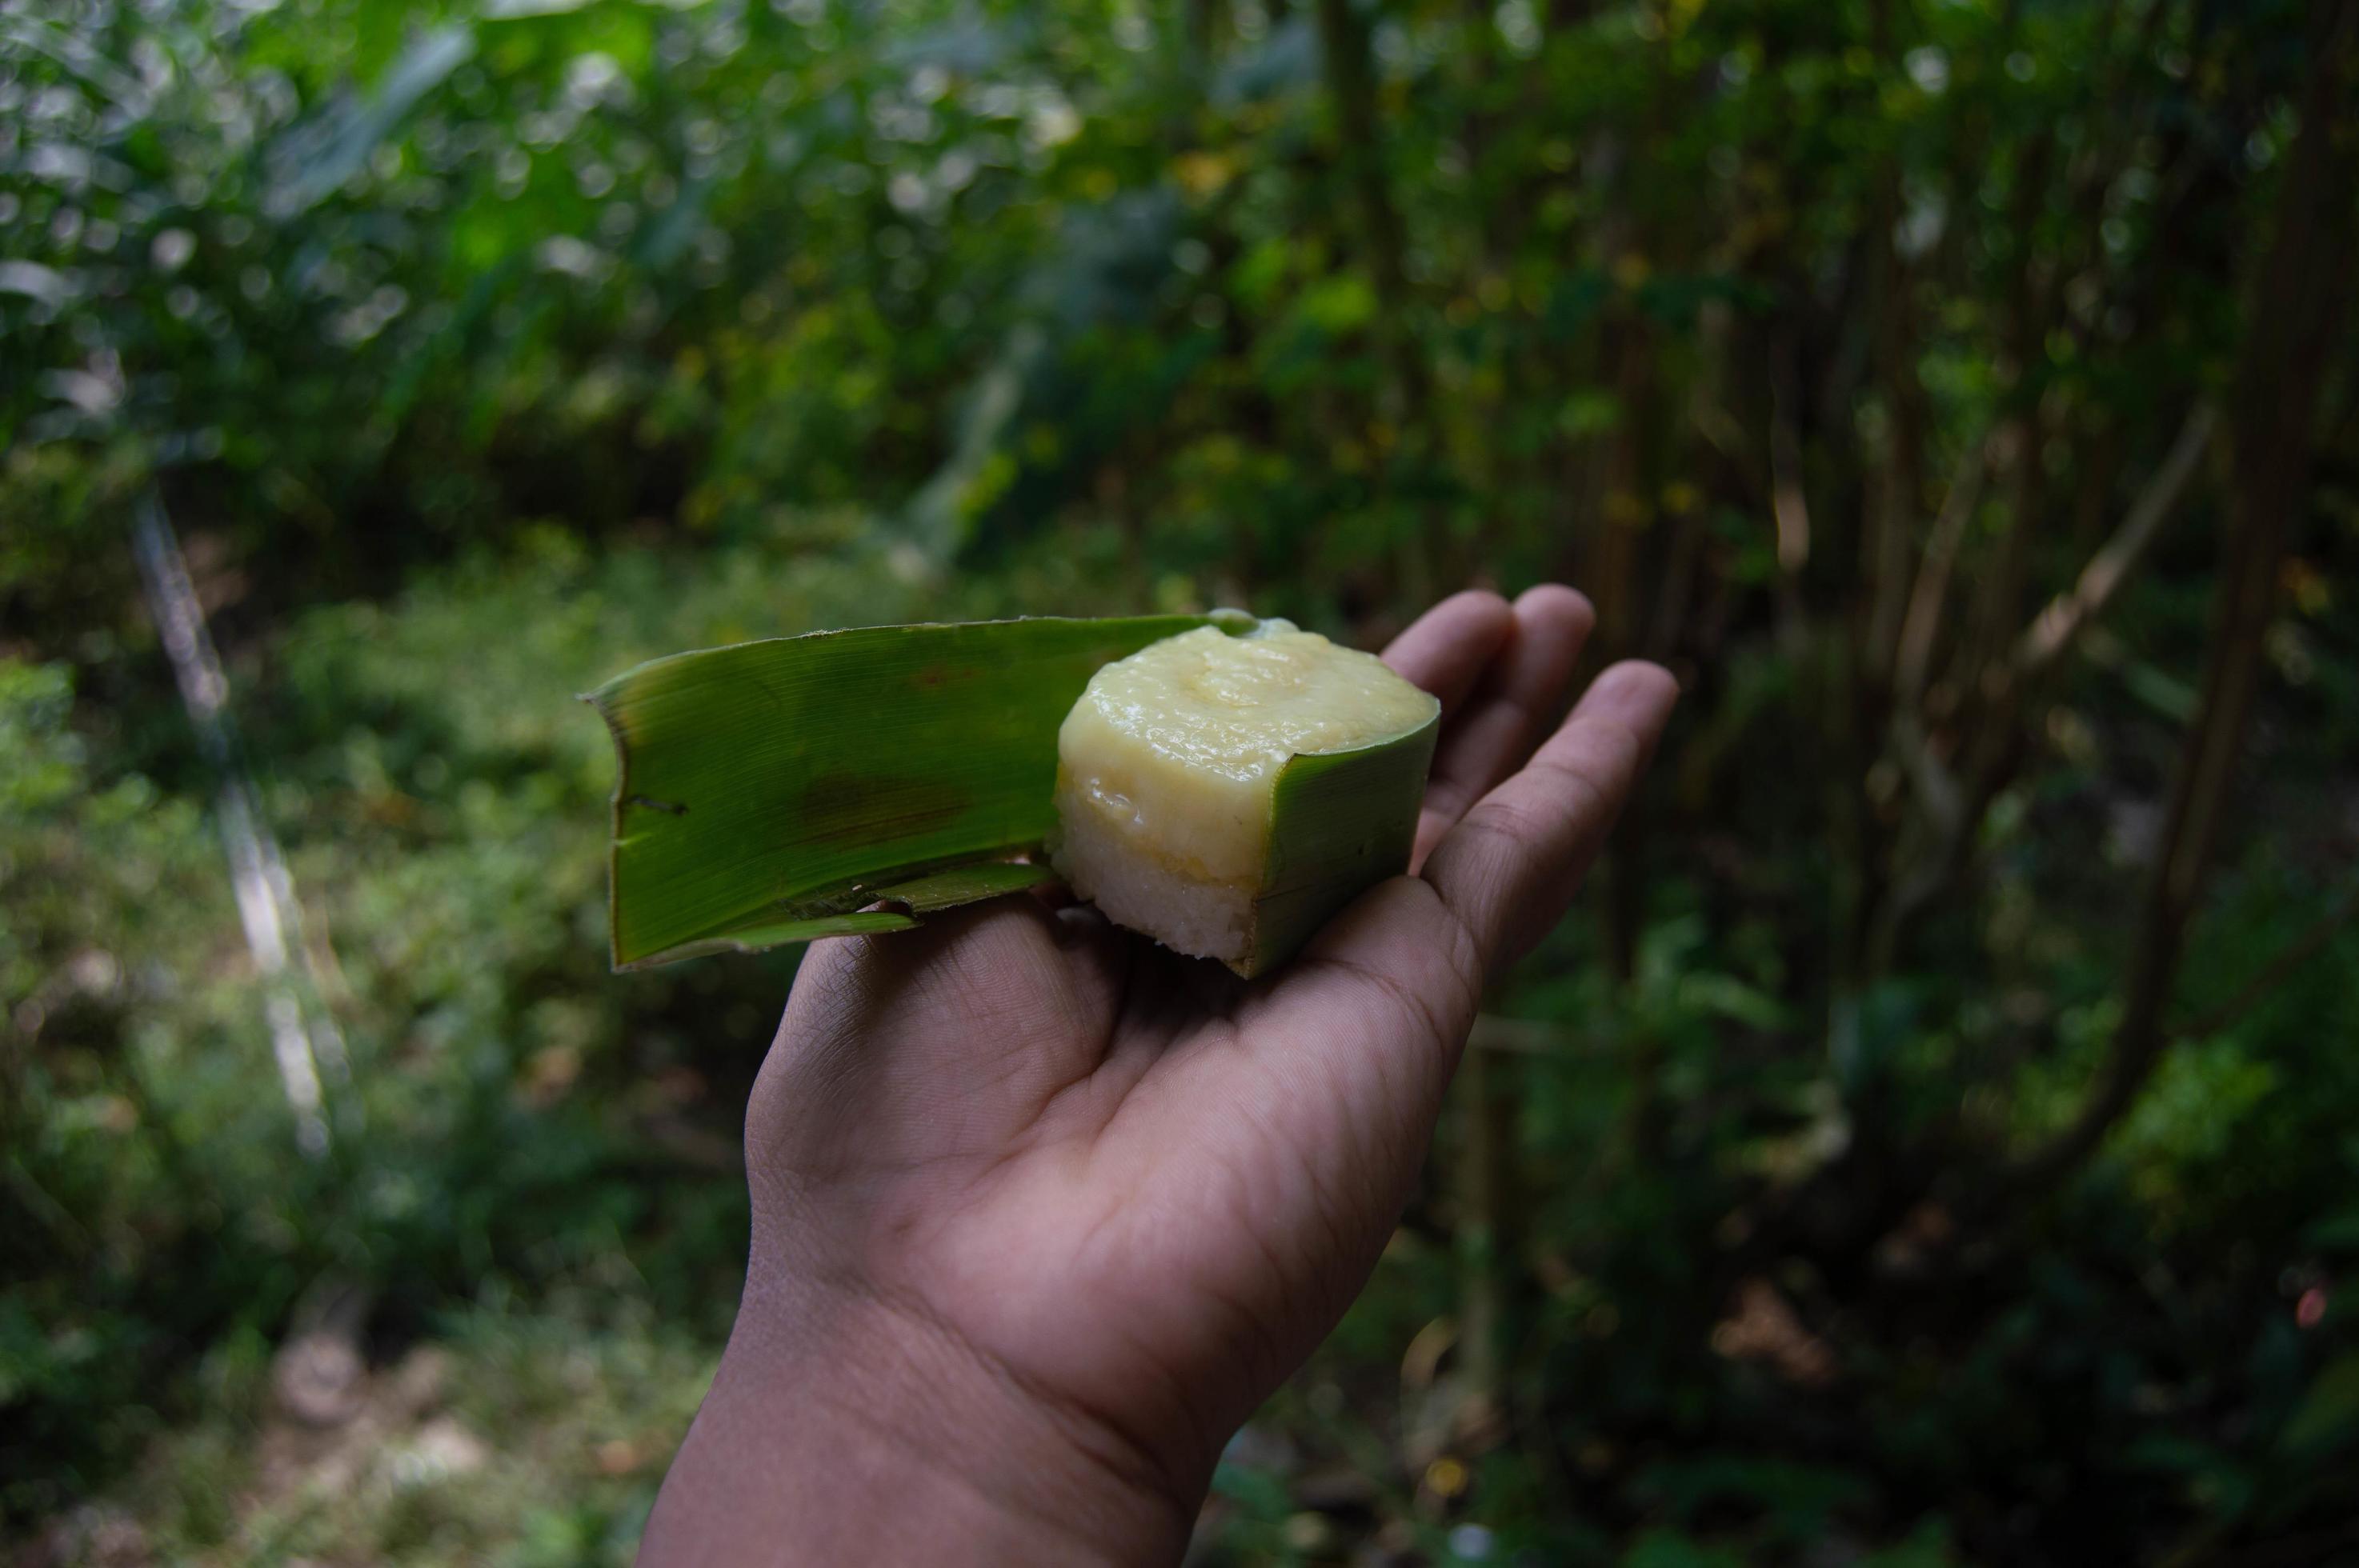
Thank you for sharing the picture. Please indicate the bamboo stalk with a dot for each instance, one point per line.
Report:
(2299, 296)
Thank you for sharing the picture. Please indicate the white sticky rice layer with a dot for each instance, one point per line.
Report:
(1188, 914)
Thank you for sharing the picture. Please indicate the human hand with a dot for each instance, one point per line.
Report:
(1043, 1211)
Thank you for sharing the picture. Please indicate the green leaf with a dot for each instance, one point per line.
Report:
(346, 142)
(1337, 305)
(2335, 1233)
(754, 938)
(2329, 1414)
(966, 884)
(1662, 1548)
(771, 791)
(1340, 823)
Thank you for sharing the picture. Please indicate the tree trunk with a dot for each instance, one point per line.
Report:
(1351, 77)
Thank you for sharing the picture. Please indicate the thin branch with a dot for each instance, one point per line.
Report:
(266, 904)
(1953, 805)
(2198, 794)
(1486, 1245)
(1923, 620)
(2277, 971)
(74, 1237)
(1937, 787)
(2071, 611)
(1787, 503)
(1528, 1037)
(1898, 489)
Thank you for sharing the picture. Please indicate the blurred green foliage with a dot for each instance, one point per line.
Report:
(479, 351)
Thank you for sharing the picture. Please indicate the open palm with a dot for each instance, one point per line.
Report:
(1041, 1211)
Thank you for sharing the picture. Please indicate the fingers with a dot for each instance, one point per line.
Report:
(1350, 1047)
(1447, 648)
(1517, 700)
(1510, 866)
(1390, 987)
(986, 1007)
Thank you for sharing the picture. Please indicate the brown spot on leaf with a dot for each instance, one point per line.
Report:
(936, 677)
(841, 807)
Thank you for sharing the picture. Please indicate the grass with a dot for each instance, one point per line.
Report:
(512, 1439)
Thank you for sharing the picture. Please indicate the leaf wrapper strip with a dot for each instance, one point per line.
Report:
(756, 938)
(767, 792)
(1341, 822)
(966, 884)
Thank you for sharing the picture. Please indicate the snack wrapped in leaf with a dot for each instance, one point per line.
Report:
(1226, 795)
(1226, 785)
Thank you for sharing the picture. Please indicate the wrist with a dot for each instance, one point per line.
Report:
(844, 1425)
